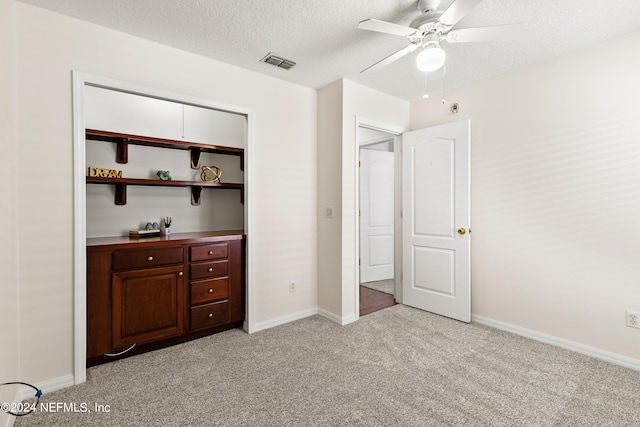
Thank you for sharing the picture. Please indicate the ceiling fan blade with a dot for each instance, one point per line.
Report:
(485, 34)
(391, 58)
(457, 11)
(385, 27)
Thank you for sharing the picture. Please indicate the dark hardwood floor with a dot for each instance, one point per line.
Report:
(372, 301)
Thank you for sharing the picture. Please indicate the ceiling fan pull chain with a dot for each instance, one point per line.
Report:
(444, 83)
(426, 86)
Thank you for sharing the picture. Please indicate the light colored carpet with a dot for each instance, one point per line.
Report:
(386, 286)
(395, 367)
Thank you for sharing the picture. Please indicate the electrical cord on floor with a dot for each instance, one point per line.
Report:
(7, 407)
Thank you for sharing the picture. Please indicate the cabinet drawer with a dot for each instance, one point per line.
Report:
(209, 290)
(208, 315)
(205, 270)
(209, 252)
(151, 257)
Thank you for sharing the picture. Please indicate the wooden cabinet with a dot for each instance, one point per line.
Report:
(143, 294)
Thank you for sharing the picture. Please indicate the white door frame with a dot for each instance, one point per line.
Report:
(396, 131)
(80, 80)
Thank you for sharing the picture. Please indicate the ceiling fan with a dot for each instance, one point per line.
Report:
(433, 27)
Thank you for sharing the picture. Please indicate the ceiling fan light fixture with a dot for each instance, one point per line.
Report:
(430, 59)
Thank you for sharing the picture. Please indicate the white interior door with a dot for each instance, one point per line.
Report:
(436, 220)
(376, 215)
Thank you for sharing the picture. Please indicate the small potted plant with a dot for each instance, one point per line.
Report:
(166, 228)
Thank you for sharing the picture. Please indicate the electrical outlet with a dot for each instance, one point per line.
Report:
(633, 319)
(292, 286)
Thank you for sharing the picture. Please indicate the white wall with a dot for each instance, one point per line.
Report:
(556, 194)
(341, 105)
(284, 170)
(9, 355)
(329, 159)
(368, 136)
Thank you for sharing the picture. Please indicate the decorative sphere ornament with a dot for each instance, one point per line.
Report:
(211, 173)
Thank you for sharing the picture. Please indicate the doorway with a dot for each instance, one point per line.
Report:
(431, 218)
(376, 214)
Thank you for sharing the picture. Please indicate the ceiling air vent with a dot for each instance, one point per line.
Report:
(278, 61)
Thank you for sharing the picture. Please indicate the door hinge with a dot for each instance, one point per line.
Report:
(358, 212)
(358, 163)
(401, 214)
(358, 261)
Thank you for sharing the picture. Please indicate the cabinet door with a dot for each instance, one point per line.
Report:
(215, 127)
(147, 305)
(115, 111)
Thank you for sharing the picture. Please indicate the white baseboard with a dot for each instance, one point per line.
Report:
(335, 318)
(596, 353)
(284, 319)
(48, 386)
(301, 315)
(10, 419)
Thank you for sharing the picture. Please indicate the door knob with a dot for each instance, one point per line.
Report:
(461, 230)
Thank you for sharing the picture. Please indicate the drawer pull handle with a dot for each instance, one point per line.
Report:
(210, 315)
(120, 353)
(210, 269)
(149, 258)
(180, 273)
(210, 290)
(210, 252)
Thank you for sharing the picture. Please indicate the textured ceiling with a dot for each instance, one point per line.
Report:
(322, 38)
